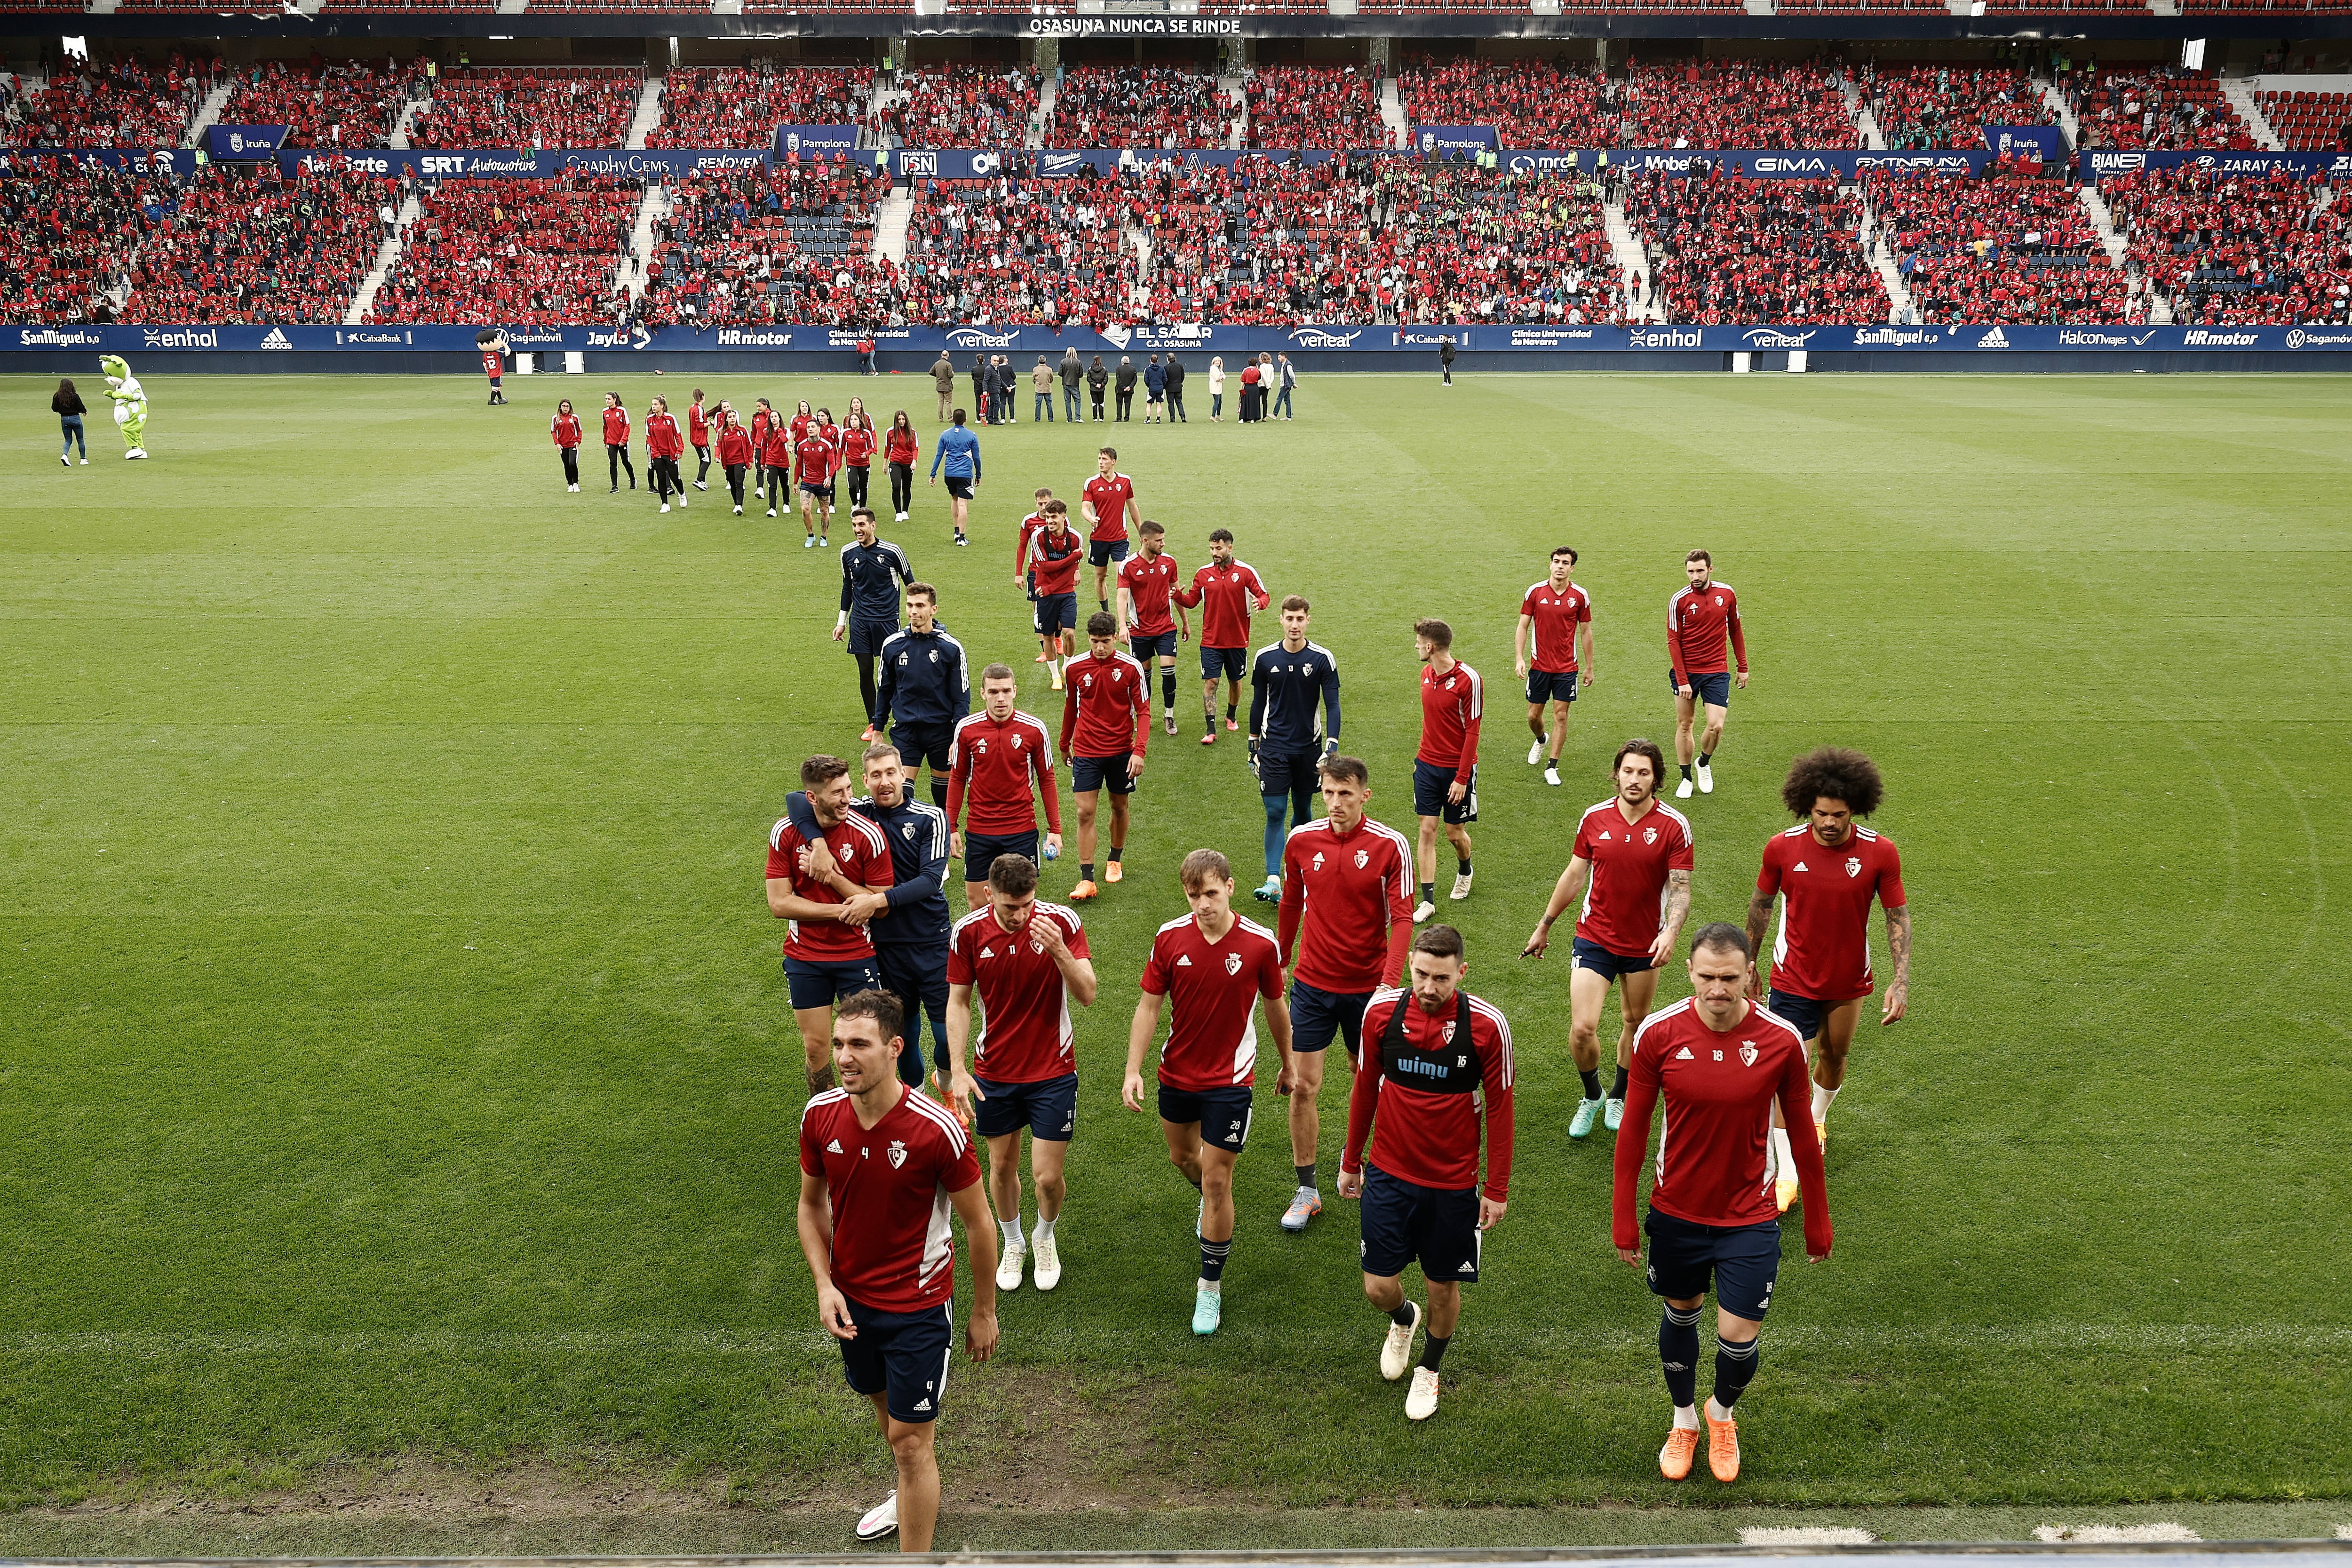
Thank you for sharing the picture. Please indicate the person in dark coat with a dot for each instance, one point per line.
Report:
(1125, 388)
(980, 386)
(1446, 359)
(1097, 379)
(1176, 391)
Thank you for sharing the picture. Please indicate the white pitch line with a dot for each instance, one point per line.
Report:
(2114, 1534)
(1806, 1535)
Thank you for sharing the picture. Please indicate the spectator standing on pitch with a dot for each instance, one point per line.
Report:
(1229, 590)
(926, 690)
(980, 387)
(1097, 379)
(1007, 410)
(1285, 375)
(1435, 1061)
(1155, 391)
(1041, 392)
(958, 451)
(616, 442)
(67, 406)
(1701, 617)
(1718, 1063)
(1293, 682)
(1027, 962)
(829, 954)
(1216, 389)
(943, 378)
(564, 429)
(1446, 359)
(872, 571)
(1347, 915)
(902, 452)
(909, 922)
(1216, 966)
(1445, 768)
(1073, 373)
(876, 1236)
(1249, 392)
(1174, 376)
(735, 454)
(1125, 388)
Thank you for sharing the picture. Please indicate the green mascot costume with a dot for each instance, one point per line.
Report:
(129, 403)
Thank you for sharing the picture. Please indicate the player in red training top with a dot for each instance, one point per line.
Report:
(1632, 862)
(1027, 962)
(1718, 1064)
(1146, 583)
(880, 1167)
(616, 442)
(1827, 870)
(858, 444)
(1345, 913)
(776, 464)
(1227, 589)
(1055, 554)
(736, 454)
(664, 444)
(816, 457)
(1701, 618)
(1025, 579)
(1216, 966)
(1107, 503)
(763, 419)
(1557, 615)
(828, 953)
(993, 758)
(1106, 724)
(566, 428)
(1445, 768)
(1433, 1059)
(697, 435)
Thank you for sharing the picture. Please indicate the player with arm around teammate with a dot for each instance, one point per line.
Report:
(1825, 871)
(829, 954)
(1702, 622)
(1556, 616)
(1216, 966)
(1714, 1065)
(1630, 863)
(1435, 1062)
(881, 1167)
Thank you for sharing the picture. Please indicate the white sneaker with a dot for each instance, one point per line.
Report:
(1046, 1270)
(902, 517)
(134, 452)
(1683, 790)
(1421, 1401)
(771, 512)
(1008, 1267)
(85, 463)
(700, 486)
(1396, 1351)
(664, 506)
(1422, 910)
(1705, 779)
(880, 1520)
(1551, 776)
(575, 490)
(1535, 753)
(1461, 885)
(681, 500)
(64, 461)
(739, 511)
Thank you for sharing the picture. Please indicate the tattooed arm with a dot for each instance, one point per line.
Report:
(1759, 919)
(1677, 911)
(1897, 1000)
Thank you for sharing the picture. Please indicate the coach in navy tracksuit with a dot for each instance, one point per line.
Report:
(872, 571)
(926, 690)
(1289, 680)
(910, 935)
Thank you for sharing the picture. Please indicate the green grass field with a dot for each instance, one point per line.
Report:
(396, 1070)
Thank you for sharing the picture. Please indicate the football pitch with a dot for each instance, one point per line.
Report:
(396, 1078)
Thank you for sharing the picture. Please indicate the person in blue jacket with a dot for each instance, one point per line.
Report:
(959, 449)
(926, 690)
(1155, 391)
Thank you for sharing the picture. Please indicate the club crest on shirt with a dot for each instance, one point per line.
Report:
(1036, 942)
(1853, 865)
(1446, 1032)
(1649, 835)
(1233, 964)
(1363, 859)
(848, 851)
(1016, 742)
(1748, 1053)
(907, 829)
(898, 1152)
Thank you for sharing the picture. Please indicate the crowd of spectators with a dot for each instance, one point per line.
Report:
(730, 107)
(2153, 107)
(565, 105)
(1949, 106)
(525, 252)
(1531, 103)
(2231, 250)
(1998, 249)
(119, 102)
(1139, 105)
(1734, 104)
(248, 244)
(962, 106)
(73, 230)
(1723, 248)
(1005, 251)
(352, 103)
(1315, 106)
(790, 244)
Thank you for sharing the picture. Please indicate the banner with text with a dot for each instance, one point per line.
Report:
(807, 139)
(2047, 142)
(480, 163)
(2106, 166)
(1443, 139)
(243, 142)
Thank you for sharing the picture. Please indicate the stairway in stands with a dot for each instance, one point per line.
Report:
(387, 256)
(2240, 93)
(648, 116)
(208, 113)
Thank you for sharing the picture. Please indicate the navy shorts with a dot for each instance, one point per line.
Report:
(1231, 662)
(1437, 1226)
(921, 744)
(1056, 613)
(819, 983)
(1607, 964)
(1223, 1113)
(1317, 1016)
(1803, 1012)
(1090, 773)
(1049, 1108)
(1552, 686)
(821, 492)
(1160, 644)
(1710, 690)
(980, 850)
(1430, 782)
(1741, 1259)
(959, 486)
(867, 636)
(901, 1354)
(1288, 773)
(916, 972)
(1105, 551)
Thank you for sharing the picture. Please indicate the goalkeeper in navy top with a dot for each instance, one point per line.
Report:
(873, 574)
(1289, 680)
(926, 688)
(1431, 1060)
(907, 920)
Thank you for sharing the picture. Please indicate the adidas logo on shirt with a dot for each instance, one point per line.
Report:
(1800, 865)
(1185, 962)
(1685, 1055)
(834, 1147)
